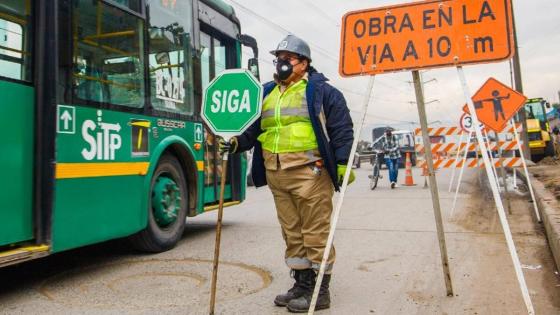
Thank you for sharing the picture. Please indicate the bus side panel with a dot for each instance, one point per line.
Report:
(102, 162)
(92, 210)
(16, 159)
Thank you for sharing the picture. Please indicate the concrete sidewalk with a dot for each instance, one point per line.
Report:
(549, 209)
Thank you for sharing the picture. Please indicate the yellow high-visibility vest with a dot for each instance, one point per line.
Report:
(285, 121)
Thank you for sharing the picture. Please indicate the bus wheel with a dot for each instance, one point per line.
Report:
(167, 208)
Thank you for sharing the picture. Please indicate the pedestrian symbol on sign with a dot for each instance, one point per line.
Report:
(496, 100)
(198, 134)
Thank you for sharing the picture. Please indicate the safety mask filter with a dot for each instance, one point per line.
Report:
(284, 69)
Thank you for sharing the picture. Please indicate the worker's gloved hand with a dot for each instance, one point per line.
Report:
(227, 146)
(341, 170)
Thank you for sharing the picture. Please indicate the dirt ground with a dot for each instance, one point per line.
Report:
(548, 172)
(538, 266)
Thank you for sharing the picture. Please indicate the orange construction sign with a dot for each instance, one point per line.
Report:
(425, 34)
(495, 104)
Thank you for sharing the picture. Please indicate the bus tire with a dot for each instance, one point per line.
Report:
(166, 218)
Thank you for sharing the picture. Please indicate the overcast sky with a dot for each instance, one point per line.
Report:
(318, 22)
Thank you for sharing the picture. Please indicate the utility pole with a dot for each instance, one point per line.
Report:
(519, 88)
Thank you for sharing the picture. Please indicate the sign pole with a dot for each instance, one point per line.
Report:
(218, 234)
(461, 174)
(497, 199)
(456, 158)
(503, 172)
(232, 120)
(492, 161)
(432, 179)
(336, 213)
(520, 147)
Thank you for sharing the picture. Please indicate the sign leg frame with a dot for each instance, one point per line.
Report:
(336, 213)
(497, 199)
(520, 147)
(433, 182)
(492, 161)
(503, 172)
(464, 160)
(456, 158)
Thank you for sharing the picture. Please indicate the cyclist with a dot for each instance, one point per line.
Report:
(392, 156)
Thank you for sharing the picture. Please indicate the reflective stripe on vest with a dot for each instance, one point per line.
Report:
(285, 121)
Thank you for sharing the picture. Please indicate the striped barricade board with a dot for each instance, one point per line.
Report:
(472, 163)
(452, 147)
(457, 131)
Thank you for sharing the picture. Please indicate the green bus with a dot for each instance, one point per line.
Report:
(99, 111)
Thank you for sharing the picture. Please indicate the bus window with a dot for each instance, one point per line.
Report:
(133, 5)
(205, 58)
(170, 60)
(220, 56)
(217, 55)
(108, 63)
(15, 57)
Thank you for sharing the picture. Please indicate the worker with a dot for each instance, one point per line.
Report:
(556, 142)
(392, 156)
(302, 143)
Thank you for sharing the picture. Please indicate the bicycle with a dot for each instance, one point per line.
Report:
(376, 174)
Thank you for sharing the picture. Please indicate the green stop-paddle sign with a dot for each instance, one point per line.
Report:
(232, 102)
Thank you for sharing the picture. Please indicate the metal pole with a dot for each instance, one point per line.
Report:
(503, 172)
(497, 199)
(490, 151)
(461, 174)
(519, 146)
(519, 88)
(456, 158)
(218, 234)
(432, 179)
(336, 213)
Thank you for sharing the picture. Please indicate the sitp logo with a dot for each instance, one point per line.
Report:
(103, 139)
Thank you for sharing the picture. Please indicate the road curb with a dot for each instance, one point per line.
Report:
(549, 209)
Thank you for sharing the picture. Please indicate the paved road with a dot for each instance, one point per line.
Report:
(388, 262)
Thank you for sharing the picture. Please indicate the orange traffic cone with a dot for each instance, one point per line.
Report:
(408, 180)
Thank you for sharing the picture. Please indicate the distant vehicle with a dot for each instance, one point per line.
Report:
(538, 129)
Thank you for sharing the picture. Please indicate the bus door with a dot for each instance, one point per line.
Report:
(217, 55)
(17, 119)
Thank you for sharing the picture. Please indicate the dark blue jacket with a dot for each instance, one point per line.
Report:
(334, 146)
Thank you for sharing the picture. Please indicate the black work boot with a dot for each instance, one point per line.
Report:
(296, 291)
(302, 304)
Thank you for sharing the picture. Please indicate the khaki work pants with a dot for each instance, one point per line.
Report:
(304, 205)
